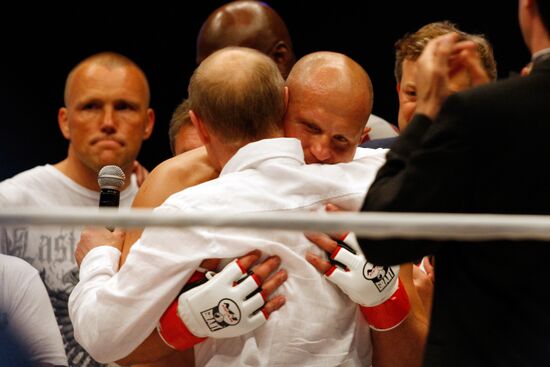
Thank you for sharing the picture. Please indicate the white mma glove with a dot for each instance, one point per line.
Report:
(377, 289)
(218, 308)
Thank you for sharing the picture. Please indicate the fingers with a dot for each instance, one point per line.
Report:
(210, 264)
(478, 74)
(332, 208)
(273, 304)
(318, 263)
(247, 260)
(428, 267)
(274, 282)
(268, 266)
(322, 240)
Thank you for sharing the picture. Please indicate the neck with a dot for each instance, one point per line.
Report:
(220, 153)
(84, 175)
(539, 38)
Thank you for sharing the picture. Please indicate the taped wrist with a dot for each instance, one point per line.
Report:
(174, 332)
(390, 313)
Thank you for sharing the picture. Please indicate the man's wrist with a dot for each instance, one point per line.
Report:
(99, 259)
(389, 314)
(173, 330)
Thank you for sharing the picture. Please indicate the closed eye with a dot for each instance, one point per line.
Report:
(312, 127)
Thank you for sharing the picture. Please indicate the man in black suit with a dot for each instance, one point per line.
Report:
(455, 156)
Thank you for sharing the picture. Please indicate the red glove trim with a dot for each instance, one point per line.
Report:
(197, 275)
(389, 314)
(174, 332)
(335, 252)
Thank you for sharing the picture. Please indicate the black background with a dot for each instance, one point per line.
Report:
(42, 43)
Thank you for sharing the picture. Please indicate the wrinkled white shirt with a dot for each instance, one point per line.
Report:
(114, 312)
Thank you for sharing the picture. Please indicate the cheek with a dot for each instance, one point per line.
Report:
(299, 134)
(408, 110)
(345, 156)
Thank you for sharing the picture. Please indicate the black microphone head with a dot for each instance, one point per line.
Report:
(111, 177)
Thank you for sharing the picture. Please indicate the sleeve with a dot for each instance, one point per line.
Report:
(113, 312)
(428, 169)
(35, 322)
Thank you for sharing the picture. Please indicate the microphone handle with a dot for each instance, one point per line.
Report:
(109, 198)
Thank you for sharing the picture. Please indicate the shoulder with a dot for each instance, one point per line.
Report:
(20, 188)
(173, 175)
(18, 270)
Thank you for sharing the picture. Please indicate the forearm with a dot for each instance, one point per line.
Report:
(113, 313)
(403, 345)
(96, 327)
(152, 349)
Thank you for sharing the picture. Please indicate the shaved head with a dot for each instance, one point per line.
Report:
(335, 78)
(109, 60)
(247, 24)
(330, 101)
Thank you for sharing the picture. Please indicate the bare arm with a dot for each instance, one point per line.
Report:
(173, 175)
(404, 345)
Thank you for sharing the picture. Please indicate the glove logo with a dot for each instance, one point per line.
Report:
(225, 314)
(381, 276)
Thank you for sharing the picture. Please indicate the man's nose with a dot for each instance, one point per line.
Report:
(108, 125)
(320, 149)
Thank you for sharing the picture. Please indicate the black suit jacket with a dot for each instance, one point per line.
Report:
(491, 301)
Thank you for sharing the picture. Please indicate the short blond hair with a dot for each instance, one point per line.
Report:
(238, 93)
(412, 44)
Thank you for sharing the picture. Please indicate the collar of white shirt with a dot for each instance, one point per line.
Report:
(253, 153)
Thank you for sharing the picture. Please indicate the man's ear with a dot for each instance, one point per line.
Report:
(63, 121)
(398, 87)
(150, 124)
(365, 135)
(280, 53)
(202, 131)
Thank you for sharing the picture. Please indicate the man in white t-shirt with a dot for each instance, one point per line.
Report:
(105, 119)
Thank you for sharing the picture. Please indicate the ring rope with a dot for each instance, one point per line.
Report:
(378, 225)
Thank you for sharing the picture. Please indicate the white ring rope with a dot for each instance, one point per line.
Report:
(465, 227)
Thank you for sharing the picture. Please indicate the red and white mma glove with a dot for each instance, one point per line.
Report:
(226, 306)
(377, 289)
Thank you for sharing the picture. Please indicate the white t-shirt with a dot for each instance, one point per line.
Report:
(319, 325)
(25, 308)
(380, 128)
(50, 249)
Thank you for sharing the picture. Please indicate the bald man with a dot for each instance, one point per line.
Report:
(106, 117)
(250, 24)
(256, 25)
(330, 101)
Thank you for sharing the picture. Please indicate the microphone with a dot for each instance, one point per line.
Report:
(110, 179)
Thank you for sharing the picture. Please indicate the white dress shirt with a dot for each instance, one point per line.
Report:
(319, 325)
